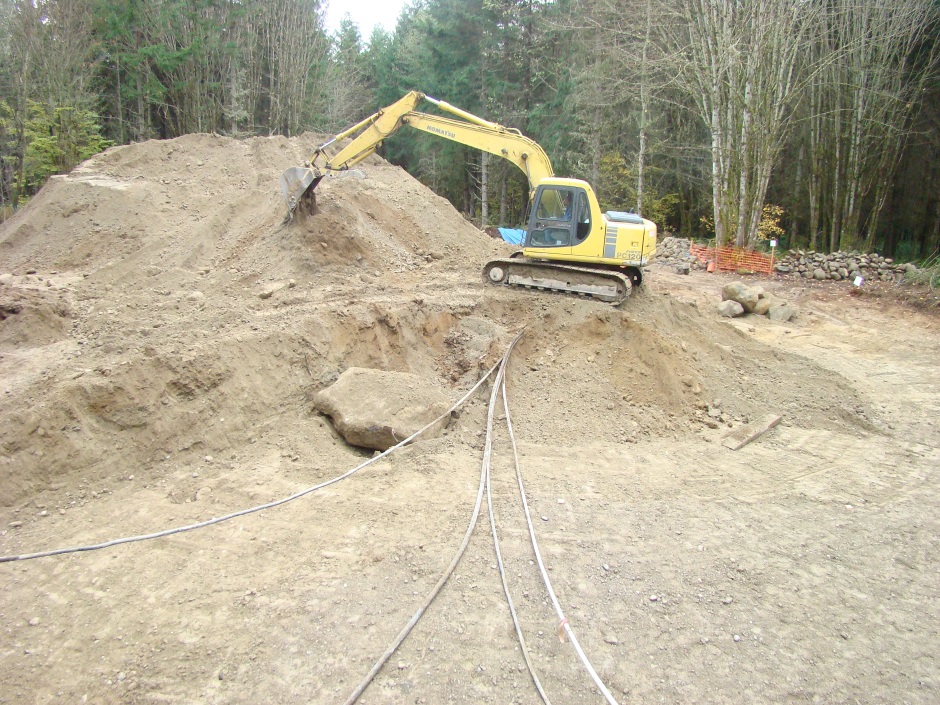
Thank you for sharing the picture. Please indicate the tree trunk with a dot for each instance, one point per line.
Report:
(120, 106)
(644, 109)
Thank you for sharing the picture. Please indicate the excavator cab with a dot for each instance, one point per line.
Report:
(560, 217)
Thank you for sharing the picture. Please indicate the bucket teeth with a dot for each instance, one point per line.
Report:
(297, 185)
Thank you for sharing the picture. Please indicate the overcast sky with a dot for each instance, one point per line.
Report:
(365, 13)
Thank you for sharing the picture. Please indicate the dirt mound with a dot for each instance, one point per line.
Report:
(152, 212)
(194, 302)
(32, 312)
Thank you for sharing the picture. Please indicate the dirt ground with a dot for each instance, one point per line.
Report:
(162, 334)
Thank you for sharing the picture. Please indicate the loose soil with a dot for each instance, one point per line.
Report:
(162, 335)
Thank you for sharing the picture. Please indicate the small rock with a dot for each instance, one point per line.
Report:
(122, 676)
(765, 304)
(819, 274)
(402, 665)
(654, 598)
(737, 637)
(730, 309)
(728, 600)
(611, 639)
(15, 524)
(34, 622)
(782, 312)
(291, 284)
(266, 294)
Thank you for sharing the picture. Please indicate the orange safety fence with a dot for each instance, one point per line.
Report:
(731, 259)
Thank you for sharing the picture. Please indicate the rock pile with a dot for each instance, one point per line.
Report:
(738, 298)
(841, 265)
(675, 251)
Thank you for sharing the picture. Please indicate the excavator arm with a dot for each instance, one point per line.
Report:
(298, 183)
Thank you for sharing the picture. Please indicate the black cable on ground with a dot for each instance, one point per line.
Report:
(502, 576)
(563, 625)
(261, 507)
(487, 452)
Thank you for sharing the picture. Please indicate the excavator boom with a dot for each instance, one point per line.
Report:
(298, 183)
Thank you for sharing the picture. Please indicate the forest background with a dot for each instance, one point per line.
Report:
(815, 122)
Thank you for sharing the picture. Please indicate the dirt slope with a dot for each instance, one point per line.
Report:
(162, 333)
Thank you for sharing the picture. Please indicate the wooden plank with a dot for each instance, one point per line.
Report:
(740, 437)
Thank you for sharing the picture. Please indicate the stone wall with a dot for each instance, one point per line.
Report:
(835, 266)
(675, 251)
(841, 265)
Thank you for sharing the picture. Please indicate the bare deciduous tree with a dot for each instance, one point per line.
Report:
(869, 68)
(738, 61)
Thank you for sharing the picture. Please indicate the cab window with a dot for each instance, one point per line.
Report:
(555, 204)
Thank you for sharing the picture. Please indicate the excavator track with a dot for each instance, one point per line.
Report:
(608, 286)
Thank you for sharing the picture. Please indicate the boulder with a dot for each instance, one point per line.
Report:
(782, 312)
(730, 309)
(765, 304)
(742, 294)
(819, 274)
(377, 409)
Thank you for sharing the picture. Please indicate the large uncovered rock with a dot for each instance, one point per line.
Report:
(745, 295)
(377, 409)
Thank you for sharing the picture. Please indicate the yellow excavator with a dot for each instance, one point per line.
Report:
(569, 244)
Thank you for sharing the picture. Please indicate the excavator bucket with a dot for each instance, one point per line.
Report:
(298, 184)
